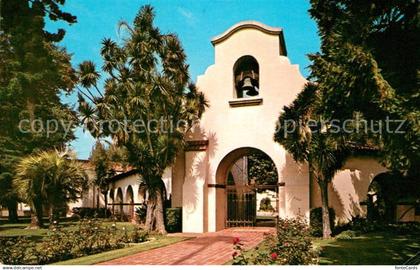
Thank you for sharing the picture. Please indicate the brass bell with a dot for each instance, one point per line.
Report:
(249, 87)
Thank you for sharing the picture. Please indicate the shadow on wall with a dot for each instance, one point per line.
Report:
(296, 178)
(350, 186)
(200, 170)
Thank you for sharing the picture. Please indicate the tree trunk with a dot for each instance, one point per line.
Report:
(12, 209)
(106, 203)
(36, 216)
(154, 217)
(51, 217)
(54, 214)
(97, 198)
(326, 226)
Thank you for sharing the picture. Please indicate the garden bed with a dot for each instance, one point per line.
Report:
(64, 241)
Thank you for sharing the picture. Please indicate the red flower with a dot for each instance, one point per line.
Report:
(234, 254)
(236, 240)
(274, 256)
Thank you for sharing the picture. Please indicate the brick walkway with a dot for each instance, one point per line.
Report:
(208, 248)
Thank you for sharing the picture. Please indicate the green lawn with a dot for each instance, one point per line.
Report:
(371, 249)
(118, 253)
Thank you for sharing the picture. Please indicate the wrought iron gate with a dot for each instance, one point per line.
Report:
(242, 204)
(241, 208)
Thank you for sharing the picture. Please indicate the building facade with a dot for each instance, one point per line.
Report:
(249, 83)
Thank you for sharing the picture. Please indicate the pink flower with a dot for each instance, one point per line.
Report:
(234, 254)
(286, 244)
(236, 240)
(273, 256)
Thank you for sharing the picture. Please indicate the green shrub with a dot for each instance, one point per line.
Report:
(346, 235)
(362, 225)
(292, 245)
(138, 236)
(89, 237)
(173, 219)
(17, 250)
(315, 219)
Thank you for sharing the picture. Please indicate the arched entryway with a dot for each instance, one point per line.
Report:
(391, 197)
(249, 196)
(119, 202)
(111, 200)
(130, 200)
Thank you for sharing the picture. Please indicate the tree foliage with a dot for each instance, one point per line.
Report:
(148, 104)
(300, 132)
(369, 66)
(102, 161)
(49, 179)
(100, 158)
(34, 72)
(261, 169)
(358, 75)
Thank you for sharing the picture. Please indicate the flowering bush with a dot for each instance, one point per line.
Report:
(88, 238)
(290, 246)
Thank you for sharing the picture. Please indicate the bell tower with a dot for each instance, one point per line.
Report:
(247, 86)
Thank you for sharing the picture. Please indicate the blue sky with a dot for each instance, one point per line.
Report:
(195, 22)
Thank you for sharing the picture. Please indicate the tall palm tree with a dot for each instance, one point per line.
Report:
(148, 105)
(323, 151)
(48, 179)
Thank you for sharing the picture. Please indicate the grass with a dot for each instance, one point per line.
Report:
(379, 248)
(118, 253)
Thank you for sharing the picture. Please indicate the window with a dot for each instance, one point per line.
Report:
(246, 77)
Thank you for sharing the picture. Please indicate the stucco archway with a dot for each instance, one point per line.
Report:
(119, 200)
(130, 200)
(222, 174)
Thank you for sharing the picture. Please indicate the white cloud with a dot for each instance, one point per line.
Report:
(188, 15)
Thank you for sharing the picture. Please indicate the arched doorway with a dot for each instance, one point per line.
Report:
(111, 200)
(130, 200)
(119, 202)
(391, 196)
(250, 195)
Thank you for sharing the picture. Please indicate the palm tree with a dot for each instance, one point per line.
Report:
(325, 152)
(49, 178)
(148, 104)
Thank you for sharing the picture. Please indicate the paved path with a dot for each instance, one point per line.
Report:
(208, 248)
